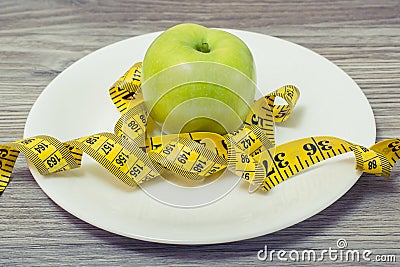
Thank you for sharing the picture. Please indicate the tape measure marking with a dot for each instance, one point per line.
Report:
(128, 86)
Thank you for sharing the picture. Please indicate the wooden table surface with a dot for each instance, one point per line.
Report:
(39, 39)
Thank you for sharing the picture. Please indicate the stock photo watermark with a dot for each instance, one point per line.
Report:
(339, 253)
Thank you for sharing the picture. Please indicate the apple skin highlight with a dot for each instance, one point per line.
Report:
(201, 80)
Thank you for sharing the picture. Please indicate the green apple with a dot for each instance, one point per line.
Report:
(198, 79)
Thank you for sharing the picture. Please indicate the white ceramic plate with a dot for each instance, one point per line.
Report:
(76, 104)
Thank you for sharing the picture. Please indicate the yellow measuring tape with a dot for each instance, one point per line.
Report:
(250, 152)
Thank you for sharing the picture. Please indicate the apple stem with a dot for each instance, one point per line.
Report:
(204, 47)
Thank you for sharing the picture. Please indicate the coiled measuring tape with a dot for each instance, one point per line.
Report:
(249, 152)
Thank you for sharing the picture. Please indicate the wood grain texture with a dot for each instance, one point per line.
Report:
(39, 39)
